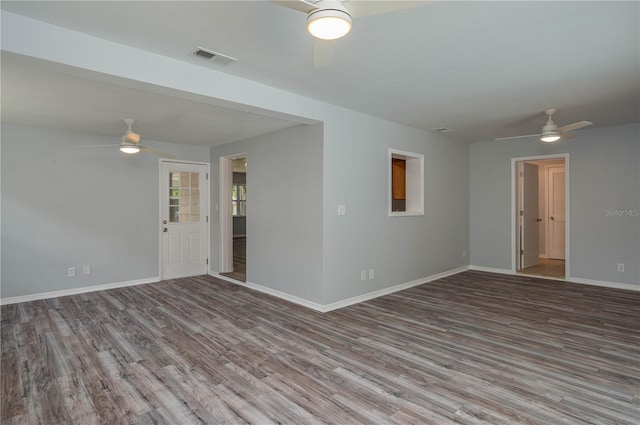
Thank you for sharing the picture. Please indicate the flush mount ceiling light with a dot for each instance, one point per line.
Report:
(330, 22)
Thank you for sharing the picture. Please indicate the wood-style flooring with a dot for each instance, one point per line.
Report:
(474, 348)
(239, 260)
(547, 267)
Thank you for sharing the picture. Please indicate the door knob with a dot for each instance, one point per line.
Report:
(551, 218)
(164, 221)
(164, 230)
(538, 220)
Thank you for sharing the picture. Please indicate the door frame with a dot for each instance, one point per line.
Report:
(514, 208)
(225, 213)
(207, 197)
(522, 236)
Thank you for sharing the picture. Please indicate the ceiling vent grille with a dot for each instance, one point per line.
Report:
(213, 57)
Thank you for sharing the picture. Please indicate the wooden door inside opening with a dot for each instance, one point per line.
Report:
(556, 212)
(540, 217)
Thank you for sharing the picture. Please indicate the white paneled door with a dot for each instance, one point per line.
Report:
(556, 218)
(184, 219)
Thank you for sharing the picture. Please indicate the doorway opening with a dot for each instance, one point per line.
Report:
(540, 218)
(233, 215)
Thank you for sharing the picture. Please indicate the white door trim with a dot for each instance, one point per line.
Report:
(529, 194)
(160, 206)
(226, 219)
(225, 213)
(514, 206)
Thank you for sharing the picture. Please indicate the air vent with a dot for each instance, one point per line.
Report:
(213, 57)
(441, 130)
(204, 54)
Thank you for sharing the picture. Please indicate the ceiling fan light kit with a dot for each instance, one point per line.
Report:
(329, 24)
(550, 137)
(550, 132)
(128, 148)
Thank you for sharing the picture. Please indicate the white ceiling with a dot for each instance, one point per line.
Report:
(482, 69)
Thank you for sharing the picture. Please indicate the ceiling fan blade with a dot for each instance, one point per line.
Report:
(358, 9)
(575, 126)
(160, 153)
(567, 136)
(95, 146)
(322, 52)
(517, 137)
(300, 5)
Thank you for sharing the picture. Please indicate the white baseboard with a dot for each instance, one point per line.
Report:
(386, 291)
(74, 291)
(491, 270)
(616, 285)
(605, 284)
(274, 292)
(346, 302)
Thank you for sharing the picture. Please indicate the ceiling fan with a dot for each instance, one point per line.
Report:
(328, 20)
(129, 143)
(551, 132)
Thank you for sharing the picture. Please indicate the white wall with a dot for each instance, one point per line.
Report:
(66, 206)
(284, 210)
(604, 175)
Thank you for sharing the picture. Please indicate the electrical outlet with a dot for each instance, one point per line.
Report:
(86, 269)
(621, 267)
(371, 274)
(71, 272)
(363, 275)
(342, 210)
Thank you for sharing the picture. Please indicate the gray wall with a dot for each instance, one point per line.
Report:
(604, 175)
(284, 210)
(65, 206)
(298, 244)
(347, 164)
(399, 249)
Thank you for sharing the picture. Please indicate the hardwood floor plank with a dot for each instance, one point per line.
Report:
(13, 402)
(76, 401)
(473, 348)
